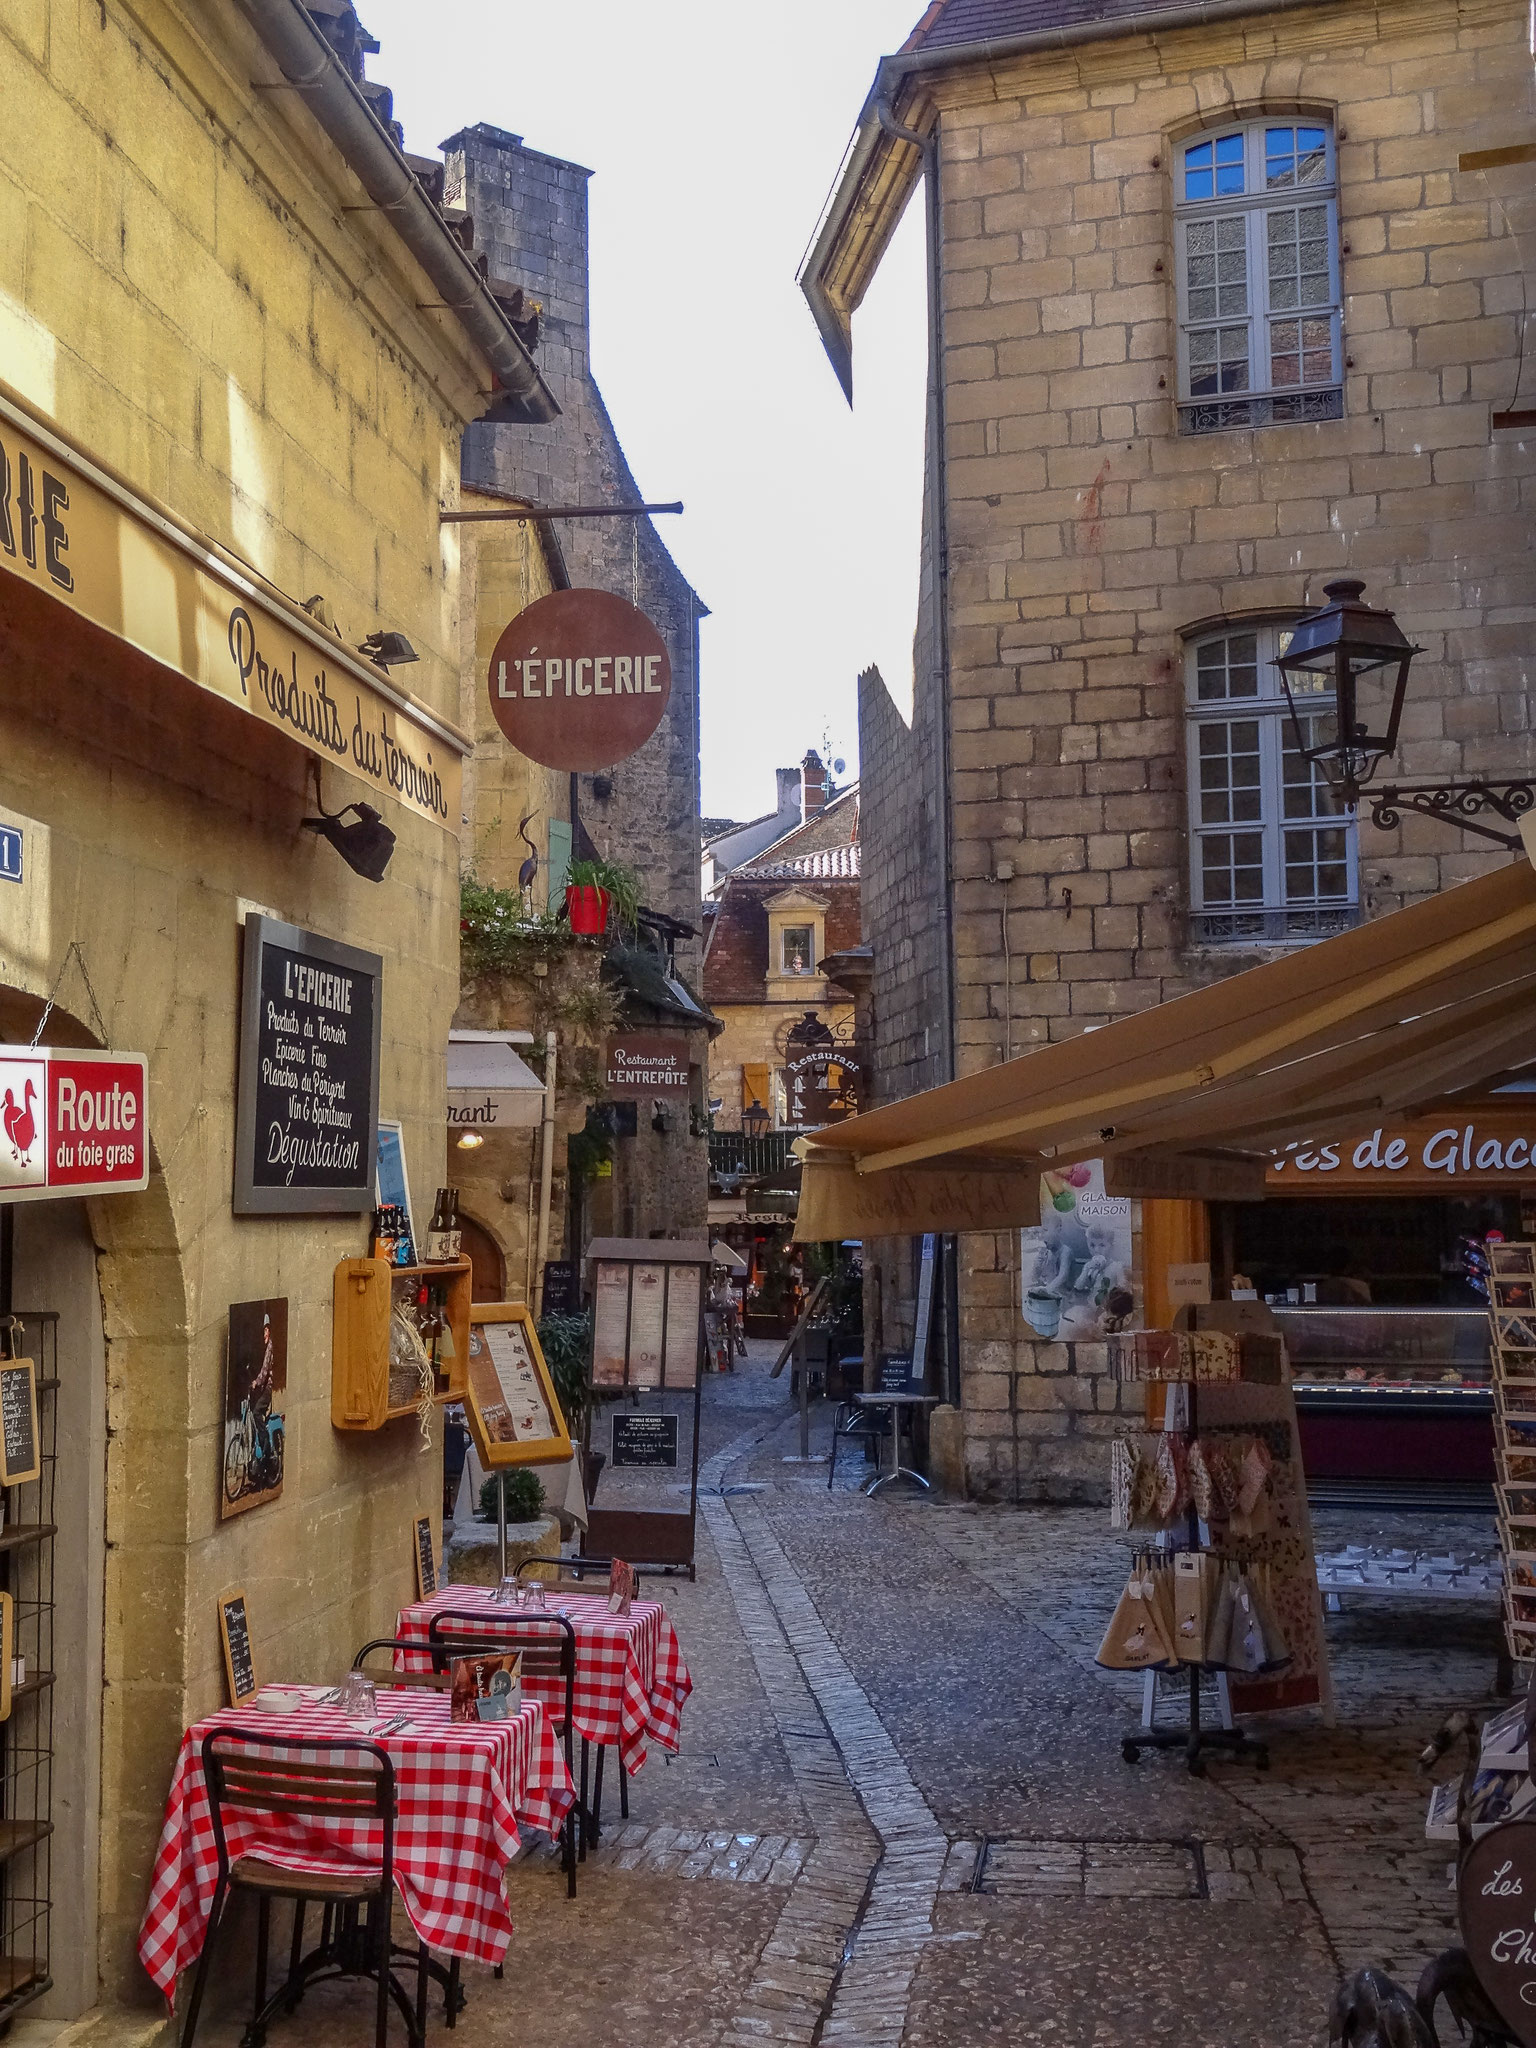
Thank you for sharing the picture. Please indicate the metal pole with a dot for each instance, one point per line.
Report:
(546, 1161)
(805, 1409)
(455, 517)
(501, 1528)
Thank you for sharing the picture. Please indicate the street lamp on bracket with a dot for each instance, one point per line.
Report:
(1335, 657)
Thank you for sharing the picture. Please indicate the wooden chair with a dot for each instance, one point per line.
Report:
(308, 1779)
(547, 1645)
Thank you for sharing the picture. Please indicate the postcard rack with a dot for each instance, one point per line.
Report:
(1512, 1313)
(26, 1735)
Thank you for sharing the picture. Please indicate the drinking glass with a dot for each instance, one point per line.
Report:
(358, 1698)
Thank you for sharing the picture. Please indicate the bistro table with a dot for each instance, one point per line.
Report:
(898, 1403)
(462, 1790)
(631, 1681)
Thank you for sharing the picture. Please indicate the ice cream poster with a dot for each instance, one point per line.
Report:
(1075, 1263)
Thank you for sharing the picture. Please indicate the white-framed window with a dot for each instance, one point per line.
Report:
(798, 949)
(1256, 262)
(1272, 851)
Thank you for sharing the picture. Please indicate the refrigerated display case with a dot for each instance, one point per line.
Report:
(1392, 1394)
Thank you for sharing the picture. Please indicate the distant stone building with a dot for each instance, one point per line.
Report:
(1225, 305)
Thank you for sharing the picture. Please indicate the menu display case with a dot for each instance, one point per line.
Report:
(1392, 1393)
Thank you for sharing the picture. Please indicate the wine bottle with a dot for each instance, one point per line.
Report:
(437, 1234)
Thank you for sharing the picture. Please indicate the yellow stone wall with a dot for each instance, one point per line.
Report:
(754, 1036)
(183, 292)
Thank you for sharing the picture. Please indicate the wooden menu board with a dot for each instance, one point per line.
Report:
(646, 1313)
(235, 1634)
(510, 1402)
(426, 1561)
(7, 1652)
(20, 1457)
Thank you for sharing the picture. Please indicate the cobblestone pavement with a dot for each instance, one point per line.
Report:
(900, 1814)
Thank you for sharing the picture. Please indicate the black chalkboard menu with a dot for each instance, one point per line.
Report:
(306, 1128)
(896, 1374)
(19, 1457)
(644, 1440)
(561, 1295)
(235, 1633)
(426, 1562)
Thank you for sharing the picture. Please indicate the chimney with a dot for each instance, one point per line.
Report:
(813, 786)
(789, 788)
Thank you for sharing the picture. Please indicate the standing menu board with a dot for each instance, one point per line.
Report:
(20, 1457)
(235, 1634)
(513, 1411)
(646, 1323)
(306, 1124)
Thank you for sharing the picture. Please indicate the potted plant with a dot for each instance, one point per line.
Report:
(592, 887)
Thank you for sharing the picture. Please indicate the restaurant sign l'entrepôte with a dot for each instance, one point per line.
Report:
(646, 1063)
(579, 680)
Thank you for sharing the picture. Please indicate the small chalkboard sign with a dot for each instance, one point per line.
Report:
(426, 1562)
(644, 1440)
(896, 1375)
(235, 1632)
(20, 1459)
(561, 1295)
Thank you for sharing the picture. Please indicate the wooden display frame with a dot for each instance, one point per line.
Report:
(232, 1603)
(7, 1652)
(494, 1452)
(12, 1369)
(361, 1303)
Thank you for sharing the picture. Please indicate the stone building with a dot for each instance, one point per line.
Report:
(525, 215)
(776, 918)
(1222, 308)
(233, 397)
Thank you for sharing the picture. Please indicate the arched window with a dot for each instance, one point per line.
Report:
(1256, 257)
(1272, 852)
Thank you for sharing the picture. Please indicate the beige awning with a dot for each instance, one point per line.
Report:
(1191, 1097)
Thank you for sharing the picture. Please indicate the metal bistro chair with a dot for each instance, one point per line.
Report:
(547, 1644)
(307, 1781)
(861, 1425)
(579, 1568)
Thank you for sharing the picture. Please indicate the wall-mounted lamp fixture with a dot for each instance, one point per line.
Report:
(365, 845)
(388, 650)
(468, 1140)
(660, 1120)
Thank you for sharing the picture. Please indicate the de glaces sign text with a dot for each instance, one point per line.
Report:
(1428, 1152)
(307, 1119)
(72, 1123)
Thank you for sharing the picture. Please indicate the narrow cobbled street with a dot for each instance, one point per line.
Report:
(900, 1813)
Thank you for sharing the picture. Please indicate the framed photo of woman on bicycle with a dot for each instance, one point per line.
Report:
(255, 1398)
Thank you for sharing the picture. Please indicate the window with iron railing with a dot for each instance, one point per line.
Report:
(1272, 851)
(1256, 261)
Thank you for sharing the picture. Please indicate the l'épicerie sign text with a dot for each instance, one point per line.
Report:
(307, 1118)
(579, 680)
(72, 532)
(1433, 1153)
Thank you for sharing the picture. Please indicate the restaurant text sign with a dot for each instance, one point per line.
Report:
(75, 535)
(579, 680)
(1429, 1153)
(306, 1124)
(645, 1063)
(72, 1122)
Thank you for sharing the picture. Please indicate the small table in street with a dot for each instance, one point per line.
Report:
(631, 1681)
(896, 1403)
(462, 1789)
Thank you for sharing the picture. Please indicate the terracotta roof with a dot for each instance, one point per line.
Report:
(832, 863)
(948, 22)
(833, 829)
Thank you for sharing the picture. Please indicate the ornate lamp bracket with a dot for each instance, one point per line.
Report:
(1458, 803)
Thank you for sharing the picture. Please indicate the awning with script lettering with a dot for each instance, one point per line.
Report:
(489, 1087)
(80, 534)
(1197, 1097)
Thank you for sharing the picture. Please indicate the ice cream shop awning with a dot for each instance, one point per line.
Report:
(1196, 1097)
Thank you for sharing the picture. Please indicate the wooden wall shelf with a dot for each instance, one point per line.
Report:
(365, 1294)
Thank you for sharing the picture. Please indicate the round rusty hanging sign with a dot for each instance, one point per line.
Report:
(579, 680)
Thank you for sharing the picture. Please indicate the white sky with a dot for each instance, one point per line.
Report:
(714, 131)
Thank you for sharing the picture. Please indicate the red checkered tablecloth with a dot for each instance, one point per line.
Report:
(462, 1789)
(631, 1681)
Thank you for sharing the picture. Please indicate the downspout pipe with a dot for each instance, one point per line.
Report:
(938, 523)
(312, 68)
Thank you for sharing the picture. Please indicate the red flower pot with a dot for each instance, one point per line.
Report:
(587, 908)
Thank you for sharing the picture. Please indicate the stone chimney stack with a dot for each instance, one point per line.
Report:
(813, 786)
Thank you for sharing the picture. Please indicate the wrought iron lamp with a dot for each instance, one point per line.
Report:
(365, 845)
(755, 1119)
(1331, 654)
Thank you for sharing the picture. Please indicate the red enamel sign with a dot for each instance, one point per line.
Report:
(72, 1122)
(579, 680)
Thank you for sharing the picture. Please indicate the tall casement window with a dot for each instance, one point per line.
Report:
(1256, 248)
(1272, 853)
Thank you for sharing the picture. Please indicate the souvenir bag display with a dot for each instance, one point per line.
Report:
(1139, 1636)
